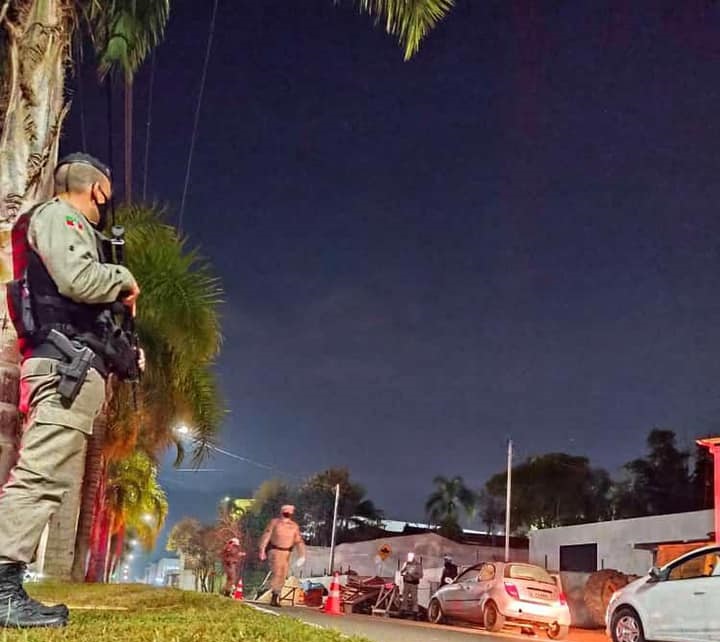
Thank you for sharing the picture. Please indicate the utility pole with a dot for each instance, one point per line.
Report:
(713, 445)
(334, 527)
(507, 501)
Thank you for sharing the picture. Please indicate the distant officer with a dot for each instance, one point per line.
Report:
(59, 308)
(412, 573)
(231, 555)
(277, 542)
(450, 571)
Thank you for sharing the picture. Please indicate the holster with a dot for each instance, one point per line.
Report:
(73, 371)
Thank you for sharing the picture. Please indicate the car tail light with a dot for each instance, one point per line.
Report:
(512, 591)
(562, 599)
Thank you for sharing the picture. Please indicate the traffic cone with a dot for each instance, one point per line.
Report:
(238, 592)
(332, 604)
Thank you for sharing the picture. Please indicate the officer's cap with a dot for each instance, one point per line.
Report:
(84, 159)
(287, 508)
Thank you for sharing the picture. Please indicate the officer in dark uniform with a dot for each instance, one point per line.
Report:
(60, 304)
(450, 571)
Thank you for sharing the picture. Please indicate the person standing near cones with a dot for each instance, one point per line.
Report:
(281, 536)
(231, 555)
(412, 573)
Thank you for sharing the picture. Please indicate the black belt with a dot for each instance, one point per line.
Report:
(48, 351)
(279, 548)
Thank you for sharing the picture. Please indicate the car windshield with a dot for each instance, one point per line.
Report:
(527, 572)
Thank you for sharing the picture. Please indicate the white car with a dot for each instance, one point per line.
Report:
(679, 602)
(498, 594)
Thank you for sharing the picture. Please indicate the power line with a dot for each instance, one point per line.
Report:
(148, 124)
(197, 113)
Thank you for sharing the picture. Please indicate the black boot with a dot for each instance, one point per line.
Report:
(275, 601)
(18, 609)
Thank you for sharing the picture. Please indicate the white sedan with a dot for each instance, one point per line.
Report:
(679, 602)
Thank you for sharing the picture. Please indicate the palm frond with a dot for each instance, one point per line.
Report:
(125, 31)
(409, 20)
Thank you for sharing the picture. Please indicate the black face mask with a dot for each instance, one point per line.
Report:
(102, 209)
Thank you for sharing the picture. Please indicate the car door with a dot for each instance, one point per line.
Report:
(478, 590)
(679, 606)
(458, 595)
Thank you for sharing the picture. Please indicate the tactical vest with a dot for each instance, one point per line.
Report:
(36, 307)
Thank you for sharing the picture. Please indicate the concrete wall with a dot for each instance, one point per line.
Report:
(616, 540)
(363, 558)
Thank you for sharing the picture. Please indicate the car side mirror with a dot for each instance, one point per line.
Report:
(655, 574)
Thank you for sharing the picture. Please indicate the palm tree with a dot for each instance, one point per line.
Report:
(446, 503)
(179, 328)
(133, 499)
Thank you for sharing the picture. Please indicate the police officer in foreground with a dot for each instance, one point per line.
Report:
(61, 307)
(281, 536)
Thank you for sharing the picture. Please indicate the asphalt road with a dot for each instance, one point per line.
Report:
(380, 629)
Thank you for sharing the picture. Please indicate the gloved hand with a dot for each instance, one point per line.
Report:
(448, 580)
(300, 562)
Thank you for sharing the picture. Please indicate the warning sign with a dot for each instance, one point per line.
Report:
(384, 552)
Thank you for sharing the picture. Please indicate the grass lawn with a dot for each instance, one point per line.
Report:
(160, 615)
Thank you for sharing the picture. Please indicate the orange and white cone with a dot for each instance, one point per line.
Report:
(332, 604)
(238, 592)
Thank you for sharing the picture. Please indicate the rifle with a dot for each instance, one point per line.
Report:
(124, 332)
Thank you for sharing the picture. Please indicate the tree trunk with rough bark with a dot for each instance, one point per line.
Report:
(100, 536)
(93, 489)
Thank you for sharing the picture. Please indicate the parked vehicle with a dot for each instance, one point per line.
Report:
(679, 602)
(496, 594)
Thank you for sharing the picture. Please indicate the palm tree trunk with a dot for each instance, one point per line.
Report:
(93, 487)
(32, 102)
(98, 544)
(128, 137)
(32, 108)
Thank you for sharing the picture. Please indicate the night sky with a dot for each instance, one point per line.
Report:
(514, 234)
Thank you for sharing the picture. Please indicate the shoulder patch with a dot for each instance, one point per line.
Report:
(73, 221)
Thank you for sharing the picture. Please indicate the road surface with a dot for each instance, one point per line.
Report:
(380, 629)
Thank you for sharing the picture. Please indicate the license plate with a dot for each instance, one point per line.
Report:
(540, 595)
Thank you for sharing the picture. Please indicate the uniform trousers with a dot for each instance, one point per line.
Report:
(279, 565)
(410, 596)
(51, 461)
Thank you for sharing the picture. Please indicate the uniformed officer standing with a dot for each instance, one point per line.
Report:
(411, 573)
(277, 542)
(69, 291)
(231, 555)
(450, 571)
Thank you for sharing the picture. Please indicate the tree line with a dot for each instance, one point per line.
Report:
(558, 489)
